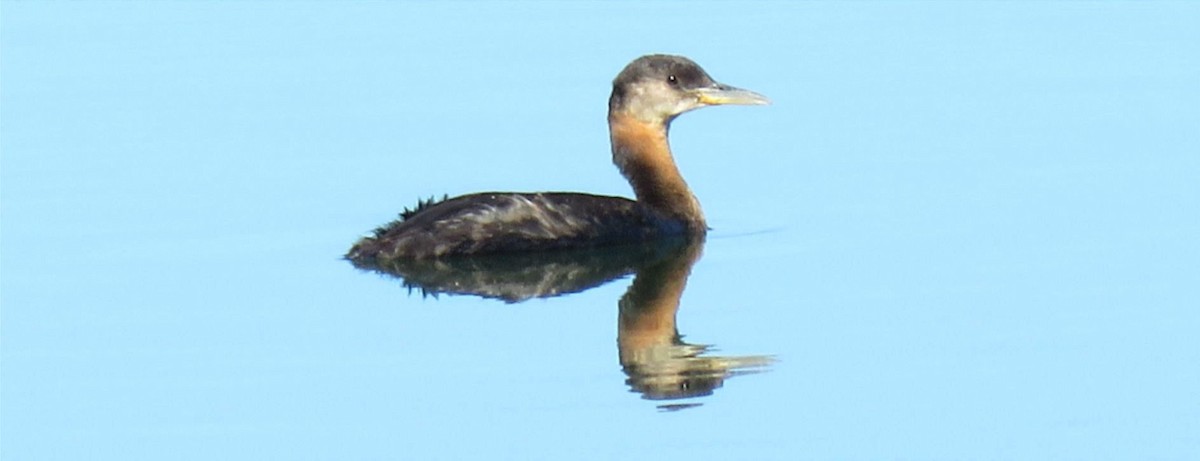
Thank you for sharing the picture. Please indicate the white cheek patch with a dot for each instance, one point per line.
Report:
(655, 102)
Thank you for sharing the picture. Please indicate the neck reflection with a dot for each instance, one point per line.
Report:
(660, 365)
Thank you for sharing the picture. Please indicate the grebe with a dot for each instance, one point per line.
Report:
(647, 95)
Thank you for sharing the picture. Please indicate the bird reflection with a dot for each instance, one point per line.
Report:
(658, 363)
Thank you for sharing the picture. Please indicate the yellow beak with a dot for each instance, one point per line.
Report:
(725, 94)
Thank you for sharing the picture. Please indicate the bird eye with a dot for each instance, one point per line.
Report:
(672, 80)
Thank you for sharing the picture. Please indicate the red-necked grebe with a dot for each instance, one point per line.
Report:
(647, 95)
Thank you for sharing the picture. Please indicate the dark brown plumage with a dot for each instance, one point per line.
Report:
(647, 95)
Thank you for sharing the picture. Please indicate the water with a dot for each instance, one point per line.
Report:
(963, 231)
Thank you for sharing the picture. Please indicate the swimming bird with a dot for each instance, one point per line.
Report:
(647, 95)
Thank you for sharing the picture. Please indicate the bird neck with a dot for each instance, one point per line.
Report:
(641, 152)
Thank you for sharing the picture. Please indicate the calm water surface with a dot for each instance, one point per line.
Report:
(963, 231)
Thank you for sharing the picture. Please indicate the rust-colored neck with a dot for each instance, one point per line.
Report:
(641, 152)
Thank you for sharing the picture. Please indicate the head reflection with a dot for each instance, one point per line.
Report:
(658, 363)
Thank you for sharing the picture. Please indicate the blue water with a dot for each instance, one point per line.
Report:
(962, 231)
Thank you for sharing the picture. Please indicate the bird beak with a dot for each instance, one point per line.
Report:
(725, 94)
